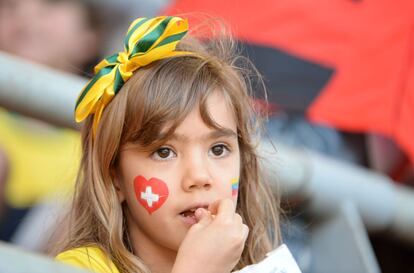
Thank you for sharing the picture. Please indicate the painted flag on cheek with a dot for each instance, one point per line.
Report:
(234, 187)
(151, 194)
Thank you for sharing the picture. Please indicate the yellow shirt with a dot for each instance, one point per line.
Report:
(90, 258)
(43, 160)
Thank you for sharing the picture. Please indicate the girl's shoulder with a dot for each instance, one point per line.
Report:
(90, 257)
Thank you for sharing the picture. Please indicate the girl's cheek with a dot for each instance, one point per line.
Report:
(151, 194)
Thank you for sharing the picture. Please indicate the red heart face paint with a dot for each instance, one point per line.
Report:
(151, 194)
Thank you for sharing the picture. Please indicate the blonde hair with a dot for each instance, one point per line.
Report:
(165, 92)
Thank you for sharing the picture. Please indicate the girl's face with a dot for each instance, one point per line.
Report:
(196, 167)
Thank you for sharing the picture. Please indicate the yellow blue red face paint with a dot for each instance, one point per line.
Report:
(234, 187)
(151, 194)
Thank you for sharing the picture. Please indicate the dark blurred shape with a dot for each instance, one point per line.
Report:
(294, 82)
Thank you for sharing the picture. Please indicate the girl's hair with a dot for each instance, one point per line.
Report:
(163, 93)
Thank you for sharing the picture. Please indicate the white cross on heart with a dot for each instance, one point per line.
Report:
(151, 193)
(149, 196)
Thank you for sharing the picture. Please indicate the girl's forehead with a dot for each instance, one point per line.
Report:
(220, 122)
(153, 122)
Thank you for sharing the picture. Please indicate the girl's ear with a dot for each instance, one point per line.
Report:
(117, 185)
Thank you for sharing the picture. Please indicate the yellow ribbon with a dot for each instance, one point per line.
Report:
(146, 41)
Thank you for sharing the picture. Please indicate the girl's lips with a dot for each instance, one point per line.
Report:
(188, 215)
(193, 208)
(188, 220)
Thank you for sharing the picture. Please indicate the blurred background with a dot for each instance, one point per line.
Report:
(338, 144)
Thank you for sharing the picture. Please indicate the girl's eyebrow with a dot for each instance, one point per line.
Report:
(217, 133)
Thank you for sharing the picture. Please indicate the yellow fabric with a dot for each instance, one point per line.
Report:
(147, 40)
(90, 258)
(43, 160)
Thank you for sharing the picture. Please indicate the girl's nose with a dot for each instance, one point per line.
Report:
(196, 174)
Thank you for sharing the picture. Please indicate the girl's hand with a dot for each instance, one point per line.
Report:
(215, 243)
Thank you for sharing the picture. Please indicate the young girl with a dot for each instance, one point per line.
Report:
(169, 179)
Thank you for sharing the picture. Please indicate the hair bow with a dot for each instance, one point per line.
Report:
(146, 41)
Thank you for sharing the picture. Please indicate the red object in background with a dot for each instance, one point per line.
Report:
(369, 45)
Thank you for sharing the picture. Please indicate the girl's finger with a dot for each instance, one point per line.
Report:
(245, 232)
(213, 207)
(238, 219)
(225, 209)
(203, 216)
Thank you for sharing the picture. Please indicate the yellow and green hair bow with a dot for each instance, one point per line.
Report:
(147, 40)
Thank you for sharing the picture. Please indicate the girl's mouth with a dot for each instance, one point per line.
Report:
(188, 213)
(188, 216)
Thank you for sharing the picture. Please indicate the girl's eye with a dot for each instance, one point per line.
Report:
(219, 150)
(163, 153)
